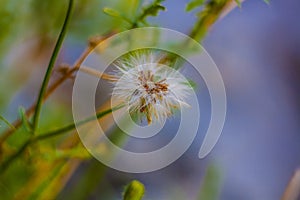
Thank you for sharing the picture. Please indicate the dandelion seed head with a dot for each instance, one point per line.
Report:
(148, 87)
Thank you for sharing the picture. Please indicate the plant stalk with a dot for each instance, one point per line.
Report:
(51, 66)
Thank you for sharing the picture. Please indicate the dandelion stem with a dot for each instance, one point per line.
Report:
(50, 67)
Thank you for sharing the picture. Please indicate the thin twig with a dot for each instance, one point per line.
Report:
(98, 74)
(50, 67)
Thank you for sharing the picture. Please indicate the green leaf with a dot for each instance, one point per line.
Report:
(193, 4)
(134, 191)
(25, 121)
(7, 122)
(267, 1)
(152, 10)
(112, 12)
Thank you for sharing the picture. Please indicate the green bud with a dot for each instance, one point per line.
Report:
(134, 191)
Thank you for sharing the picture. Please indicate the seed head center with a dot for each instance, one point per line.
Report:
(150, 85)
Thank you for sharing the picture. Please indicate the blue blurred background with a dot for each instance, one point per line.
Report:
(257, 49)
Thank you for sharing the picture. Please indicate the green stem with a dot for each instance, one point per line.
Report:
(50, 134)
(207, 17)
(73, 125)
(50, 67)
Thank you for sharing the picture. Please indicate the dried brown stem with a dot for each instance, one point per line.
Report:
(98, 74)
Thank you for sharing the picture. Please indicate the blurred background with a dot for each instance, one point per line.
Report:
(257, 50)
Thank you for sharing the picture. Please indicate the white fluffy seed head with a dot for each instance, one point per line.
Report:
(149, 88)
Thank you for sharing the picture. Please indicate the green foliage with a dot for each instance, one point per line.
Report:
(206, 17)
(114, 13)
(134, 191)
(194, 4)
(25, 122)
(267, 1)
(19, 137)
(152, 10)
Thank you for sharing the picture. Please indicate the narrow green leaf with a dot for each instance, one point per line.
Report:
(134, 191)
(7, 122)
(111, 12)
(193, 4)
(114, 13)
(152, 10)
(25, 121)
